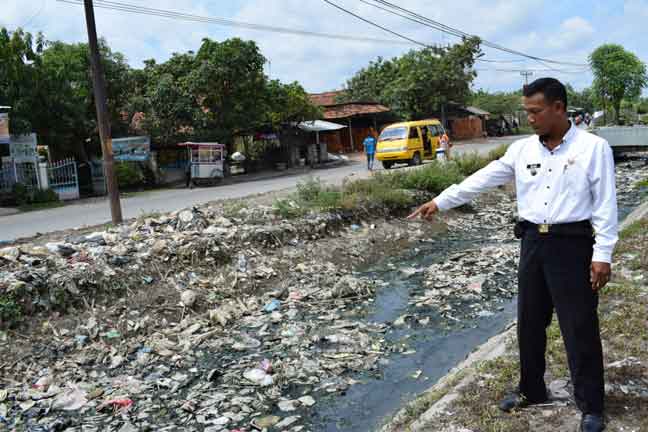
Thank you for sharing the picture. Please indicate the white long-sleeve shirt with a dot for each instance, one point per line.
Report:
(573, 182)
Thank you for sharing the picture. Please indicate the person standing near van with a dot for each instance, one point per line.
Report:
(566, 197)
(370, 149)
(444, 143)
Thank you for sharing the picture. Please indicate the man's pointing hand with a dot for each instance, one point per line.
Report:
(426, 211)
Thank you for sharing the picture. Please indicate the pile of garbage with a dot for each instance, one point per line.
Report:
(476, 279)
(242, 364)
(631, 182)
(57, 275)
(243, 326)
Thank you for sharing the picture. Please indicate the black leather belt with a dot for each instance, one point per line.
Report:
(582, 229)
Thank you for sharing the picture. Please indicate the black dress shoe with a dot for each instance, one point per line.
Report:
(592, 423)
(516, 400)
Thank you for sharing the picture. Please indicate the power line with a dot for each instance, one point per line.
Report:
(422, 23)
(516, 71)
(415, 17)
(141, 10)
(376, 25)
(418, 20)
(526, 74)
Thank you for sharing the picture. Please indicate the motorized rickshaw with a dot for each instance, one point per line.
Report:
(206, 163)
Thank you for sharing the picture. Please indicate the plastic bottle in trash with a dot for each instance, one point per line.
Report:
(242, 263)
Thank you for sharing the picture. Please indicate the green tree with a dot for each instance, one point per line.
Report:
(497, 103)
(642, 106)
(66, 69)
(163, 93)
(20, 77)
(618, 75)
(48, 84)
(581, 99)
(288, 103)
(229, 82)
(420, 82)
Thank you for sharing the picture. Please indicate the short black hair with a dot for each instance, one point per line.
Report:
(552, 89)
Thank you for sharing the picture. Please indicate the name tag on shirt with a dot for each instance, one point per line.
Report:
(533, 168)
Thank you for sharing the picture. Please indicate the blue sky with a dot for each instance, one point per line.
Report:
(558, 29)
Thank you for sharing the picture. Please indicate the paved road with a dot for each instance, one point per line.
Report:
(22, 225)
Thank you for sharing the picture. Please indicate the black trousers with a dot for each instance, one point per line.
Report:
(554, 272)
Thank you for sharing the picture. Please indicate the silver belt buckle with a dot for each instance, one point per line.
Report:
(543, 228)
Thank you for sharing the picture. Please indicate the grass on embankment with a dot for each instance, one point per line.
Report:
(390, 191)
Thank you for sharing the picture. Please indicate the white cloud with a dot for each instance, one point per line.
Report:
(573, 32)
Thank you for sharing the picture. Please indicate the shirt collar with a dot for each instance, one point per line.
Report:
(571, 132)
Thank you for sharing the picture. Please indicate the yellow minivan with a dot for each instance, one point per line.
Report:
(409, 142)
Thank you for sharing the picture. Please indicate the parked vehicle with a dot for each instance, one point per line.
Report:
(409, 142)
(499, 126)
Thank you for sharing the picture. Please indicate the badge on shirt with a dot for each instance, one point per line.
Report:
(533, 168)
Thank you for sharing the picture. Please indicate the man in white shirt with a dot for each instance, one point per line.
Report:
(566, 197)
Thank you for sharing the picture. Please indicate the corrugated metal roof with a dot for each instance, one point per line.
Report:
(476, 111)
(319, 126)
(353, 109)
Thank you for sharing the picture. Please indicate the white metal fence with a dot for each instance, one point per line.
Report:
(7, 177)
(63, 178)
(27, 174)
(24, 173)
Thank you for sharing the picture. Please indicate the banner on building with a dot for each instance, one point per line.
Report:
(23, 147)
(133, 149)
(4, 128)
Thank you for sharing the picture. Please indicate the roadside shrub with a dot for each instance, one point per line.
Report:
(313, 193)
(309, 189)
(24, 196)
(44, 196)
(470, 163)
(128, 175)
(391, 198)
(433, 177)
(21, 194)
(392, 190)
(288, 209)
(497, 152)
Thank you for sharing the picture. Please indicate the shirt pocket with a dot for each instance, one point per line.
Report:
(575, 177)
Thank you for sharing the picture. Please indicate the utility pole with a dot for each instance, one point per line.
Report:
(103, 120)
(526, 74)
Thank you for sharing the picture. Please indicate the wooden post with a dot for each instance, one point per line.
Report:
(103, 120)
(444, 121)
(351, 136)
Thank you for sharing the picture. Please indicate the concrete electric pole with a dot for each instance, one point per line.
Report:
(103, 120)
(526, 75)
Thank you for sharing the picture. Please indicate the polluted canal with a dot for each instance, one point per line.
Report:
(230, 319)
(427, 341)
(478, 266)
